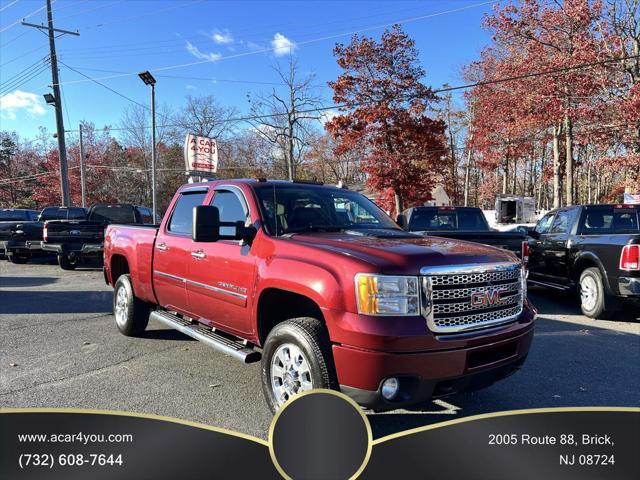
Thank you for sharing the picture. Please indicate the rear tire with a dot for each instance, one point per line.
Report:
(65, 262)
(131, 313)
(594, 300)
(296, 357)
(17, 258)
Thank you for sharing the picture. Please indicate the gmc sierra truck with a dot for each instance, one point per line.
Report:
(74, 241)
(324, 288)
(594, 249)
(462, 223)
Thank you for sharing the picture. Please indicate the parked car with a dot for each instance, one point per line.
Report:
(462, 223)
(9, 218)
(74, 241)
(323, 286)
(594, 249)
(23, 240)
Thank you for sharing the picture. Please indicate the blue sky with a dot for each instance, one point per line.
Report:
(222, 48)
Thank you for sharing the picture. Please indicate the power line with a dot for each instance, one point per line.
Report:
(110, 89)
(82, 12)
(515, 141)
(306, 42)
(8, 5)
(24, 18)
(24, 70)
(209, 79)
(440, 90)
(25, 76)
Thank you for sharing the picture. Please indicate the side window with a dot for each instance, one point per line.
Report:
(562, 222)
(231, 209)
(145, 215)
(182, 216)
(544, 224)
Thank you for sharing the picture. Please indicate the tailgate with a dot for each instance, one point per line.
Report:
(75, 231)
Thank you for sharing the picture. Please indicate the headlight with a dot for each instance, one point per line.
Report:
(387, 294)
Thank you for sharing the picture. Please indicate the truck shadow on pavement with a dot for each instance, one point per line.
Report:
(552, 302)
(33, 302)
(569, 365)
(8, 282)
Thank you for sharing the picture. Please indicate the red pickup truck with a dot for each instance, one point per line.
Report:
(324, 288)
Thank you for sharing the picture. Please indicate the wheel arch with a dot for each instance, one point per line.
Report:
(275, 305)
(587, 260)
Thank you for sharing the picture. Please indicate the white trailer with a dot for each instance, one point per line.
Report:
(514, 209)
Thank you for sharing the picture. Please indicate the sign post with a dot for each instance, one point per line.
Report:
(200, 156)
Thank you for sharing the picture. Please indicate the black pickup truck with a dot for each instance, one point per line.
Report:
(76, 240)
(23, 240)
(591, 249)
(9, 219)
(462, 223)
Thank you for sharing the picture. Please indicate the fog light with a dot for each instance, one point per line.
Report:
(390, 388)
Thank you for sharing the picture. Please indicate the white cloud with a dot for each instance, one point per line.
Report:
(195, 51)
(222, 37)
(190, 87)
(328, 115)
(282, 45)
(19, 100)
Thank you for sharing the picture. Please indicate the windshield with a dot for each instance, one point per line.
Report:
(9, 215)
(439, 219)
(113, 214)
(300, 208)
(62, 213)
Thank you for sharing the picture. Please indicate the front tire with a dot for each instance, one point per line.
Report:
(131, 313)
(296, 357)
(594, 301)
(66, 263)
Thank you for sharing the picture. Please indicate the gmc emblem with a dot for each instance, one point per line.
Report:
(488, 298)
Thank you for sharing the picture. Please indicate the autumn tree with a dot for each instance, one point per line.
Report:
(323, 164)
(384, 114)
(286, 116)
(536, 36)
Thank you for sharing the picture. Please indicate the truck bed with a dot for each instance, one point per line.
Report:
(136, 243)
(511, 241)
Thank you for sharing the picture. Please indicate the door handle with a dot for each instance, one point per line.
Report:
(198, 254)
(162, 246)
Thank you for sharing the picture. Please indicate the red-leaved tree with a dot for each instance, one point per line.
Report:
(385, 116)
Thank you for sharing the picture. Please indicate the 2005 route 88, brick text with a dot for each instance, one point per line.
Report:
(566, 440)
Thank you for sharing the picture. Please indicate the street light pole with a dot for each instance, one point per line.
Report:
(148, 79)
(153, 150)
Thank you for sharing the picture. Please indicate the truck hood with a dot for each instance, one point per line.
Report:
(401, 252)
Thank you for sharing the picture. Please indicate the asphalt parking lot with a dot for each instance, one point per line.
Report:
(59, 347)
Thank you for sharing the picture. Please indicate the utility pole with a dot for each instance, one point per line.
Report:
(62, 148)
(82, 177)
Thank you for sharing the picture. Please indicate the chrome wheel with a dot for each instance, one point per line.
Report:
(290, 372)
(588, 293)
(122, 302)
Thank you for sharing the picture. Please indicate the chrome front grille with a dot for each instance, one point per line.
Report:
(469, 297)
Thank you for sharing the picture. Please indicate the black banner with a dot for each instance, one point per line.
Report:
(320, 435)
